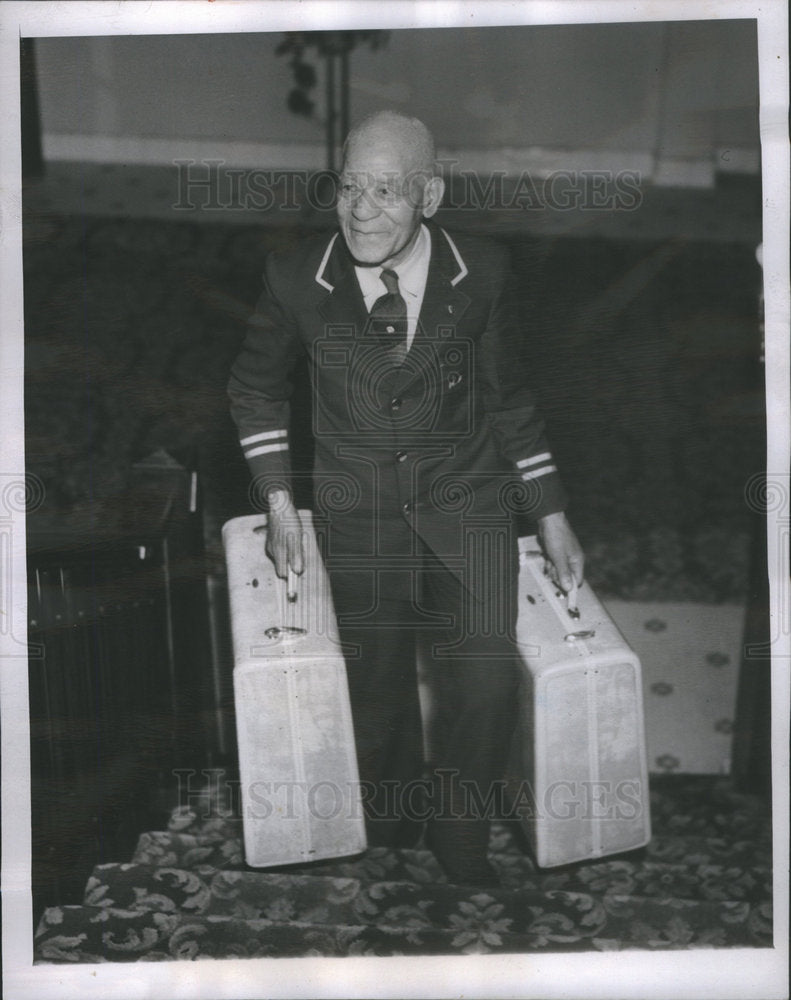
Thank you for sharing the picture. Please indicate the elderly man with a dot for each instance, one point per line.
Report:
(427, 441)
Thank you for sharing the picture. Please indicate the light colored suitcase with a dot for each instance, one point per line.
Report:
(578, 776)
(299, 780)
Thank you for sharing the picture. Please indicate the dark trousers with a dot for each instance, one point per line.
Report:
(385, 602)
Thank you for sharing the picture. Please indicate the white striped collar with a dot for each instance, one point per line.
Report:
(320, 273)
(462, 272)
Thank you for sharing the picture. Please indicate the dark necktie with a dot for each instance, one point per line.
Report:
(388, 314)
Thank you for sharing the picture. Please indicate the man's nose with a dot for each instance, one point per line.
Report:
(364, 206)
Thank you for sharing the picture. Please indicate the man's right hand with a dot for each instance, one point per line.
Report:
(284, 534)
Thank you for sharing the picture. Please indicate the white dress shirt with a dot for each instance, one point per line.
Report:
(412, 276)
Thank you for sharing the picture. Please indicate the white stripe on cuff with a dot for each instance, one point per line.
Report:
(264, 436)
(265, 449)
(543, 457)
(539, 472)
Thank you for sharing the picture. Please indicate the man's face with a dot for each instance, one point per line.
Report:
(381, 201)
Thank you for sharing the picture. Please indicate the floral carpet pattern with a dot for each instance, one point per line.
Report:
(704, 881)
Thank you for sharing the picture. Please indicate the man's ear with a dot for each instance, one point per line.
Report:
(433, 193)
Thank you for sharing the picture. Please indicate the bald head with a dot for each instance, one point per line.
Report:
(388, 185)
(393, 130)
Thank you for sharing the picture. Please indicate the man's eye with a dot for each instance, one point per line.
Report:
(349, 189)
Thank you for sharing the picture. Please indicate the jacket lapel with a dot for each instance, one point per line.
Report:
(444, 304)
(444, 301)
(344, 305)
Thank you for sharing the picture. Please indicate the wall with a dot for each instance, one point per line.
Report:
(665, 98)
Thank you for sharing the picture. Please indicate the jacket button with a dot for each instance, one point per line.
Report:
(400, 456)
(407, 508)
(395, 404)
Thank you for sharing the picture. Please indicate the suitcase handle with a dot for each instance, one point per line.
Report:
(586, 633)
(276, 631)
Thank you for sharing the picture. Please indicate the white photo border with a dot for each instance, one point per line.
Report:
(719, 973)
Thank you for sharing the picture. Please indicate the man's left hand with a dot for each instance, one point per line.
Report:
(562, 550)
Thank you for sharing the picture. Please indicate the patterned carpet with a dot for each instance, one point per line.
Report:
(704, 881)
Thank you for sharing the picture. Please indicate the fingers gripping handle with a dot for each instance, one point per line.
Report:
(290, 627)
(291, 599)
(572, 601)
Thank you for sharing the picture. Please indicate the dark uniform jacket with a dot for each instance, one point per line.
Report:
(450, 440)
